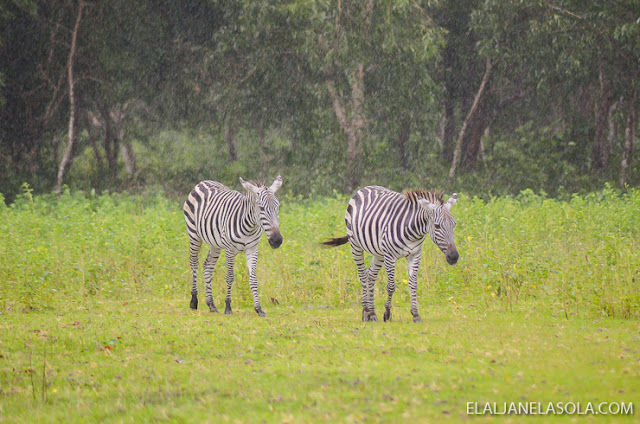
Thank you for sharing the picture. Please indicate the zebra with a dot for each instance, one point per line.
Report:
(390, 226)
(228, 220)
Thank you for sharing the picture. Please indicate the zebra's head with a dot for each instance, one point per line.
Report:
(441, 225)
(269, 208)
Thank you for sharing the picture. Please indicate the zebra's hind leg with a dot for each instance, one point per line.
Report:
(208, 266)
(252, 262)
(368, 311)
(231, 257)
(390, 266)
(372, 276)
(414, 262)
(194, 249)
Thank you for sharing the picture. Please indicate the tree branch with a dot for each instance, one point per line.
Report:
(68, 151)
(566, 12)
(463, 129)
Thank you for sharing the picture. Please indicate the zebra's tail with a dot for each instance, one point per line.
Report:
(338, 241)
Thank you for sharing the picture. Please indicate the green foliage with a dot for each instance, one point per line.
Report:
(174, 75)
(180, 159)
(566, 256)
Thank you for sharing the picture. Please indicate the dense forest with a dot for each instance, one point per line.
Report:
(488, 97)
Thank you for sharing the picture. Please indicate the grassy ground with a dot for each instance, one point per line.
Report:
(95, 327)
(154, 361)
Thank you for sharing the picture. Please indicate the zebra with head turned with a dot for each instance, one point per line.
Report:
(226, 219)
(390, 226)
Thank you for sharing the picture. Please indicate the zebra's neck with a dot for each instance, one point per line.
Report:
(250, 213)
(418, 226)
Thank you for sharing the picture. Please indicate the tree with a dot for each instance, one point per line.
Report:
(571, 48)
(330, 51)
(134, 70)
(34, 47)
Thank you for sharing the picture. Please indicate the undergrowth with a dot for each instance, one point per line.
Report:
(575, 257)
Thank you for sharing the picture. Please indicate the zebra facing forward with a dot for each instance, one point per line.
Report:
(391, 226)
(226, 219)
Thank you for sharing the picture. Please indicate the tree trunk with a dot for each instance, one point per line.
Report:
(465, 123)
(261, 135)
(629, 138)
(602, 114)
(611, 136)
(403, 137)
(68, 151)
(34, 157)
(56, 147)
(353, 121)
(110, 142)
(448, 131)
(480, 120)
(483, 153)
(449, 107)
(230, 138)
(352, 124)
(91, 124)
(129, 158)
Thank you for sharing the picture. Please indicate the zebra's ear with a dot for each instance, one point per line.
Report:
(452, 201)
(277, 183)
(427, 204)
(248, 186)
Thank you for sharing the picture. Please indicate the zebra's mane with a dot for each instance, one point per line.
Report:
(434, 196)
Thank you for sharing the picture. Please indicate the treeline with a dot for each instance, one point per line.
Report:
(486, 96)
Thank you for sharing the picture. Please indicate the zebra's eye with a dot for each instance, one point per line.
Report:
(437, 226)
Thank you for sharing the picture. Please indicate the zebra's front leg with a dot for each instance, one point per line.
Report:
(414, 263)
(209, 265)
(194, 249)
(390, 266)
(231, 257)
(252, 262)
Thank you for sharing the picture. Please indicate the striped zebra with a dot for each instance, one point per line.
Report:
(391, 226)
(226, 219)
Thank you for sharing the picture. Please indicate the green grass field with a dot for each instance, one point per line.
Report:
(95, 325)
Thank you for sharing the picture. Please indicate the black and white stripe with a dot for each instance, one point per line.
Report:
(228, 220)
(391, 226)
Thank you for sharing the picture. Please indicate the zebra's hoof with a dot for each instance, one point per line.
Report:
(212, 306)
(194, 302)
(260, 312)
(369, 316)
(228, 311)
(387, 315)
(417, 318)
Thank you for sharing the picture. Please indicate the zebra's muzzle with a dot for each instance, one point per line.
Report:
(275, 240)
(452, 256)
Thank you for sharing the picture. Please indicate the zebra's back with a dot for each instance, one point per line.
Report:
(378, 221)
